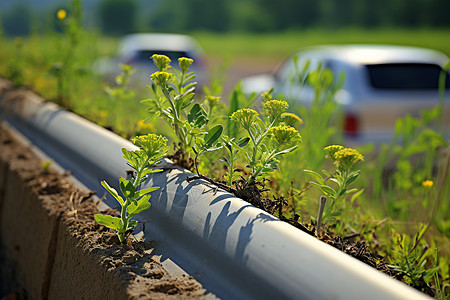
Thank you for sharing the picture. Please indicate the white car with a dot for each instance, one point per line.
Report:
(137, 49)
(382, 83)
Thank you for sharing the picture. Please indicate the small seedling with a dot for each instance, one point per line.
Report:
(46, 165)
(410, 257)
(152, 148)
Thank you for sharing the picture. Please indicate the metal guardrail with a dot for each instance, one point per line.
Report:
(234, 249)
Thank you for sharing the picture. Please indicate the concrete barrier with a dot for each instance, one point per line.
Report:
(47, 261)
(234, 249)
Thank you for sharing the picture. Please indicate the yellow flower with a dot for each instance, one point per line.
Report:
(284, 134)
(267, 95)
(212, 100)
(348, 157)
(161, 61)
(291, 119)
(126, 69)
(185, 63)
(151, 144)
(427, 184)
(331, 150)
(275, 108)
(141, 125)
(244, 116)
(161, 78)
(61, 14)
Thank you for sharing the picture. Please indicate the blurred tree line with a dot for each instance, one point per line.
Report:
(117, 17)
(270, 15)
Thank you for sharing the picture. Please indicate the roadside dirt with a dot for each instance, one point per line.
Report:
(143, 277)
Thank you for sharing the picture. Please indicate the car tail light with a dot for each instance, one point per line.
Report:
(351, 125)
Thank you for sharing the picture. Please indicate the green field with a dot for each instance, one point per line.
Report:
(254, 46)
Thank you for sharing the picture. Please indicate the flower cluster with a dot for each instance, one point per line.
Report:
(345, 157)
(61, 14)
(275, 108)
(427, 184)
(185, 63)
(155, 146)
(212, 100)
(161, 78)
(285, 134)
(291, 119)
(161, 61)
(331, 150)
(245, 117)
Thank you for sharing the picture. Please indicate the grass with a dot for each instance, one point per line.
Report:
(281, 45)
(386, 208)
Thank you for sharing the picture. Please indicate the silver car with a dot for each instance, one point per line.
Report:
(137, 49)
(382, 83)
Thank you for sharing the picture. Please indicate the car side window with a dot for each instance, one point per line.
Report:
(405, 76)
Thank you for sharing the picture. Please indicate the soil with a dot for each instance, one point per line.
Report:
(133, 262)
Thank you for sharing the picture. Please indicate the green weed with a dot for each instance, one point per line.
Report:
(345, 174)
(173, 93)
(152, 149)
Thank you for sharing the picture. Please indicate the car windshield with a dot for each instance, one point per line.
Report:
(405, 76)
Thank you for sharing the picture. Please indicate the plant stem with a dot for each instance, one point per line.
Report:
(123, 213)
(230, 180)
(322, 202)
(124, 220)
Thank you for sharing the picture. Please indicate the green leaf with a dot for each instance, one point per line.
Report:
(335, 214)
(131, 224)
(286, 151)
(109, 221)
(336, 181)
(356, 195)
(213, 135)
(143, 192)
(352, 177)
(197, 116)
(328, 190)
(141, 205)
(134, 158)
(341, 193)
(315, 175)
(113, 192)
(234, 106)
(150, 171)
(243, 142)
(326, 173)
(127, 188)
(350, 191)
(319, 186)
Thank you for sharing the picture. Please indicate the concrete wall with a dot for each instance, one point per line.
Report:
(48, 261)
